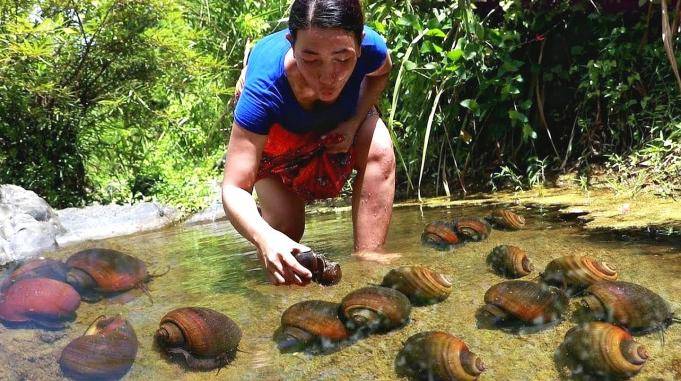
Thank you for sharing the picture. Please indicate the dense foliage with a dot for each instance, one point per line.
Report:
(121, 100)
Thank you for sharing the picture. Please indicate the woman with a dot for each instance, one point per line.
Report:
(304, 119)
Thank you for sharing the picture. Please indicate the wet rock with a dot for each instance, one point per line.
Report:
(28, 225)
(50, 337)
(105, 221)
(572, 213)
(26, 201)
(215, 212)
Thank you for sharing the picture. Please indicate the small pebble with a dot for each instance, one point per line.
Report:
(50, 337)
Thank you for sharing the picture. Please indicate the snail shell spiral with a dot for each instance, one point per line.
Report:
(528, 302)
(510, 261)
(440, 234)
(207, 339)
(605, 350)
(438, 356)
(506, 219)
(310, 322)
(575, 273)
(419, 283)
(375, 308)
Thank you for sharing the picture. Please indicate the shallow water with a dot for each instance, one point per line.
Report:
(212, 266)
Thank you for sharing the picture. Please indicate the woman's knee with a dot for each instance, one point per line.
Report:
(280, 208)
(293, 228)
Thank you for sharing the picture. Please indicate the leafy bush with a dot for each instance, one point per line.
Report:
(123, 100)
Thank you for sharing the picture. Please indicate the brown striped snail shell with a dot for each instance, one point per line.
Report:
(440, 234)
(107, 350)
(505, 219)
(438, 356)
(419, 283)
(628, 305)
(574, 273)
(324, 271)
(204, 338)
(103, 271)
(604, 350)
(510, 261)
(37, 268)
(472, 229)
(311, 322)
(375, 308)
(527, 302)
(46, 302)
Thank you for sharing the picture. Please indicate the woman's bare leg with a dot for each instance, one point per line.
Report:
(281, 208)
(374, 186)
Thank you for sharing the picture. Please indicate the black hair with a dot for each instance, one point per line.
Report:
(343, 14)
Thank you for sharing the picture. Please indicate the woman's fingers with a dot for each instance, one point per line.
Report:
(278, 278)
(291, 262)
(289, 275)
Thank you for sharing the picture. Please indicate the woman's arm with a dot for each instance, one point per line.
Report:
(371, 88)
(274, 248)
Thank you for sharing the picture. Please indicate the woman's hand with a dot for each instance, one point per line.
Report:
(276, 254)
(347, 131)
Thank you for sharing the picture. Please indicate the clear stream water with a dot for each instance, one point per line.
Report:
(212, 266)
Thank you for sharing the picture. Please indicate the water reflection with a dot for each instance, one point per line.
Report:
(212, 266)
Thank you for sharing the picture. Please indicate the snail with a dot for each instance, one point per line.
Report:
(102, 271)
(527, 302)
(603, 350)
(440, 234)
(46, 302)
(505, 219)
(472, 229)
(510, 261)
(107, 350)
(375, 308)
(575, 273)
(324, 271)
(311, 322)
(438, 356)
(37, 268)
(419, 283)
(628, 305)
(204, 338)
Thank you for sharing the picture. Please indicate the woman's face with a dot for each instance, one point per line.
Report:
(326, 59)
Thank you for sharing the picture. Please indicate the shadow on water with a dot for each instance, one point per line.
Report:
(515, 327)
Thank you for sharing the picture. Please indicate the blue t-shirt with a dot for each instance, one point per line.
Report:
(267, 97)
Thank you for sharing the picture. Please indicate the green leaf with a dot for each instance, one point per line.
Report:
(408, 65)
(517, 116)
(470, 104)
(454, 55)
(436, 33)
(528, 133)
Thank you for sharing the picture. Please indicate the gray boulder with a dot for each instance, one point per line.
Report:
(215, 212)
(28, 225)
(105, 221)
